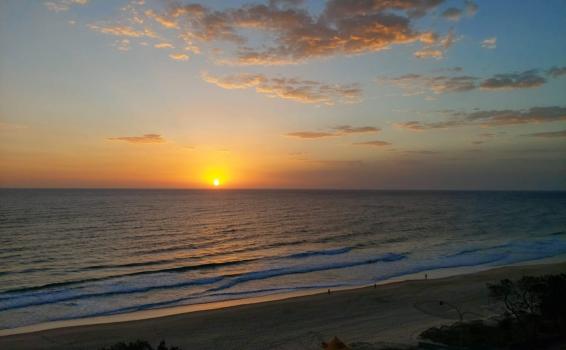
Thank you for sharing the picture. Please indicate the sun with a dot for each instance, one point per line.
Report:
(216, 182)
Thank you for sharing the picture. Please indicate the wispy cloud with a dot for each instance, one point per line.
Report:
(165, 21)
(375, 143)
(556, 72)
(452, 14)
(164, 46)
(63, 5)
(417, 84)
(489, 43)
(304, 91)
(144, 139)
(492, 118)
(548, 134)
(437, 48)
(522, 80)
(310, 134)
(122, 30)
(341, 130)
(348, 129)
(179, 57)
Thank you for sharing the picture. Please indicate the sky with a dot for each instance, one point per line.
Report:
(346, 94)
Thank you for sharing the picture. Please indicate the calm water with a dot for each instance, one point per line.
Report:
(78, 253)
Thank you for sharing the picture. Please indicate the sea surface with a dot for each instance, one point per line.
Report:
(67, 254)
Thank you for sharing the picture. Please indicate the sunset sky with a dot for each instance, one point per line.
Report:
(381, 94)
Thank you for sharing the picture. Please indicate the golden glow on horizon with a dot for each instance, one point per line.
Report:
(216, 182)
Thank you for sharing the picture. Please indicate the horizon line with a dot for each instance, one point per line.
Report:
(214, 189)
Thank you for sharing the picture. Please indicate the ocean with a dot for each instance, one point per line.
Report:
(69, 254)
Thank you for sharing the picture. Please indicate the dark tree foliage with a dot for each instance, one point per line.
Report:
(534, 301)
(534, 318)
(139, 345)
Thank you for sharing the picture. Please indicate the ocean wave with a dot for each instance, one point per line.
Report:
(269, 273)
(72, 295)
(51, 296)
(213, 265)
(307, 254)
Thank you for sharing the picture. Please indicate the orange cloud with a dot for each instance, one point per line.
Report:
(179, 56)
(343, 27)
(122, 30)
(63, 5)
(303, 91)
(165, 21)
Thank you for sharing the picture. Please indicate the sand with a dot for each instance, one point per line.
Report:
(393, 313)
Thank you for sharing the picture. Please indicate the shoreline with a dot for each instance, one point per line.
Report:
(154, 315)
(395, 312)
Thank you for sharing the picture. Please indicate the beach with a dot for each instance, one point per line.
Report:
(389, 313)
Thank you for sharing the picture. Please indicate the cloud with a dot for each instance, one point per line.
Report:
(164, 46)
(455, 14)
(348, 129)
(294, 34)
(418, 84)
(144, 139)
(492, 118)
(489, 43)
(303, 91)
(452, 14)
(471, 8)
(341, 130)
(63, 5)
(310, 134)
(556, 72)
(523, 80)
(165, 21)
(179, 56)
(375, 143)
(122, 44)
(549, 134)
(436, 48)
(122, 30)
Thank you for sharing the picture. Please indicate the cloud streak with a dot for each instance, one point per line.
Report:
(337, 131)
(492, 118)
(298, 90)
(143, 139)
(489, 43)
(63, 5)
(375, 143)
(548, 134)
(418, 84)
(523, 80)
